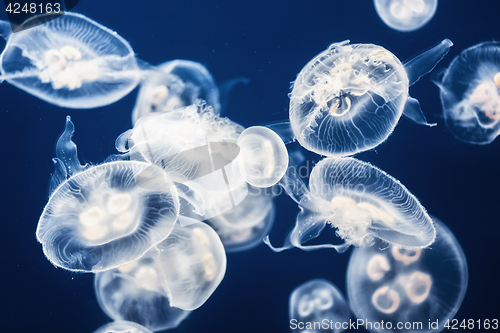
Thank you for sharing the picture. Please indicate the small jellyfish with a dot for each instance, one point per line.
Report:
(196, 148)
(318, 306)
(180, 273)
(70, 61)
(243, 227)
(406, 15)
(420, 288)
(176, 84)
(263, 157)
(470, 94)
(362, 203)
(349, 98)
(100, 217)
(122, 326)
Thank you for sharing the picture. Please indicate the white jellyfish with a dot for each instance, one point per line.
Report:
(70, 61)
(470, 94)
(122, 326)
(349, 98)
(180, 273)
(362, 203)
(196, 148)
(263, 157)
(318, 306)
(243, 227)
(103, 216)
(422, 288)
(406, 15)
(176, 84)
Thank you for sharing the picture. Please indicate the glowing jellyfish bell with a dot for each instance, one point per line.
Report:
(408, 286)
(100, 217)
(362, 203)
(178, 274)
(70, 61)
(263, 157)
(349, 98)
(406, 15)
(122, 326)
(470, 94)
(314, 303)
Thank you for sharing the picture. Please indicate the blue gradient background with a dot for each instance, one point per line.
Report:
(268, 42)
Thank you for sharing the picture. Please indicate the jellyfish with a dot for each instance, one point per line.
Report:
(175, 276)
(406, 15)
(196, 148)
(122, 326)
(422, 287)
(362, 203)
(349, 98)
(470, 94)
(318, 306)
(103, 216)
(70, 61)
(263, 157)
(176, 84)
(243, 227)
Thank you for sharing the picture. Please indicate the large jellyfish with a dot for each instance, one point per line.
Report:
(349, 98)
(406, 15)
(180, 273)
(243, 227)
(100, 217)
(470, 94)
(70, 61)
(176, 84)
(409, 290)
(122, 326)
(362, 203)
(318, 306)
(196, 148)
(263, 156)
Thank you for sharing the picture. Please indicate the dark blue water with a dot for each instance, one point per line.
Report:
(267, 42)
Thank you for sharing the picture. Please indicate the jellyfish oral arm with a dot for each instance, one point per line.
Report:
(413, 112)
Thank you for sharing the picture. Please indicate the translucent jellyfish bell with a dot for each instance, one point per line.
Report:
(317, 306)
(408, 286)
(263, 156)
(362, 203)
(70, 61)
(100, 217)
(349, 98)
(470, 94)
(122, 326)
(406, 15)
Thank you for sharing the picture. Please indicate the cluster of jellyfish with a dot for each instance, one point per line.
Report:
(154, 221)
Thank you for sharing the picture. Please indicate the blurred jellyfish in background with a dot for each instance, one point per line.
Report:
(243, 227)
(176, 84)
(317, 306)
(70, 61)
(470, 94)
(408, 286)
(196, 148)
(362, 203)
(349, 98)
(263, 156)
(100, 217)
(406, 15)
(122, 326)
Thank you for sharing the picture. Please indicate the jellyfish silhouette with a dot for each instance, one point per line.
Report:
(406, 15)
(349, 98)
(100, 217)
(470, 94)
(317, 306)
(413, 287)
(70, 61)
(362, 203)
(122, 326)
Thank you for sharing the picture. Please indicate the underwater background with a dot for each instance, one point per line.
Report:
(267, 42)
